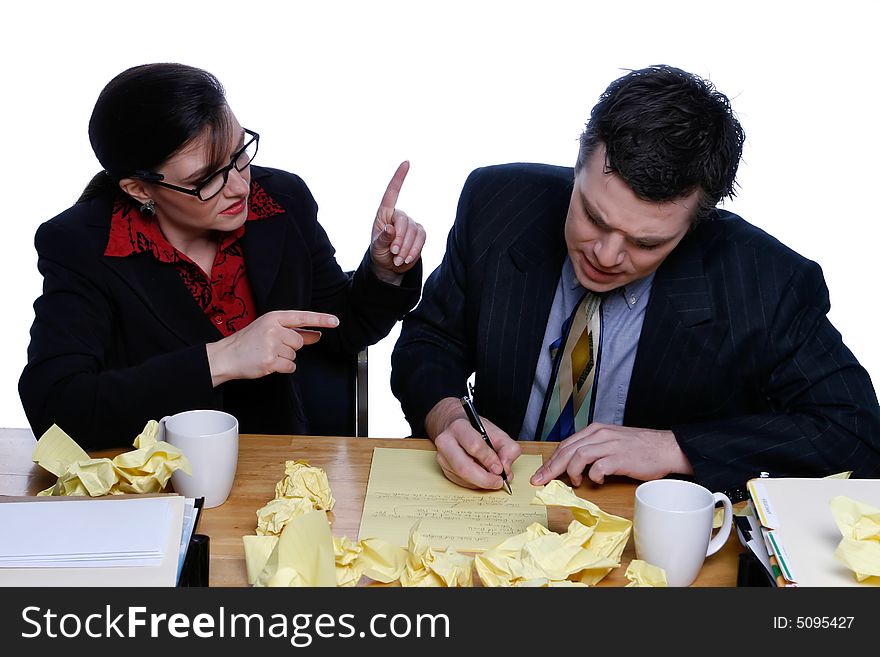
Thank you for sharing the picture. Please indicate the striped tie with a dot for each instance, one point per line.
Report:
(568, 404)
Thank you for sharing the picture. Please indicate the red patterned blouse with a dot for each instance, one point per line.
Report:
(226, 298)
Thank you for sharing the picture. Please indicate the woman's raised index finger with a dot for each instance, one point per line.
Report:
(389, 199)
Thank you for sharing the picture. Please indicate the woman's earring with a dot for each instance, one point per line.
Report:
(149, 208)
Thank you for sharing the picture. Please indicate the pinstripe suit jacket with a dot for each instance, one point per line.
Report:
(736, 355)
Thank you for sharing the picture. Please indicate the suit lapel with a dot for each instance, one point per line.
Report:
(263, 244)
(526, 278)
(679, 338)
(159, 286)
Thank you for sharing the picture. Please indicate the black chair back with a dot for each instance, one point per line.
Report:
(334, 391)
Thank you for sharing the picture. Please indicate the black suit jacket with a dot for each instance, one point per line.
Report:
(736, 355)
(118, 341)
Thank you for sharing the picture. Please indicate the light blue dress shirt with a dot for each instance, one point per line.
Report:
(623, 313)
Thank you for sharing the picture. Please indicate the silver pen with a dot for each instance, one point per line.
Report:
(470, 410)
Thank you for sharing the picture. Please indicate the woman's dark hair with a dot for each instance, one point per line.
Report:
(666, 133)
(147, 113)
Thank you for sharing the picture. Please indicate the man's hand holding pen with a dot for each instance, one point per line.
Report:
(467, 403)
(463, 454)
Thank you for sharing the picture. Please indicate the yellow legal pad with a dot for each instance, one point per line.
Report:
(407, 487)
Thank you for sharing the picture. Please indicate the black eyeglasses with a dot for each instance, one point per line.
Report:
(213, 184)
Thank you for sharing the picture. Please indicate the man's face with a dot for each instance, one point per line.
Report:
(613, 236)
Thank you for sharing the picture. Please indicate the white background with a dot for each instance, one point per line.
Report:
(341, 92)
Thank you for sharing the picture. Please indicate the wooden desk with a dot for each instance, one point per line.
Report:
(347, 463)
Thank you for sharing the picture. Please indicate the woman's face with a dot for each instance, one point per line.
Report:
(184, 217)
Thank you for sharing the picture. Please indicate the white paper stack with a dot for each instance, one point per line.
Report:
(123, 540)
(795, 516)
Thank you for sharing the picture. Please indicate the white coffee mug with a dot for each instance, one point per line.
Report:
(209, 439)
(672, 527)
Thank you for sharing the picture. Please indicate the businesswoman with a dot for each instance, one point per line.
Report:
(186, 277)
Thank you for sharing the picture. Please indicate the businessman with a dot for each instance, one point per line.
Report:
(614, 308)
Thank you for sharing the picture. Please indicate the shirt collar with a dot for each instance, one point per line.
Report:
(631, 292)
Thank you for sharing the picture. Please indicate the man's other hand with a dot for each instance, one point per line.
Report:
(607, 449)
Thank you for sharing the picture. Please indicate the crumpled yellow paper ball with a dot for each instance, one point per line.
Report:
(303, 489)
(378, 559)
(383, 561)
(272, 518)
(425, 567)
(859, 550)
(146, 469)
(642, 574)
(349, 566)
(540, 557)
(303, 480)
(603, 546)
(584, 554)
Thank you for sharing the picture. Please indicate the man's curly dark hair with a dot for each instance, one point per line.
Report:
(666, 133)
